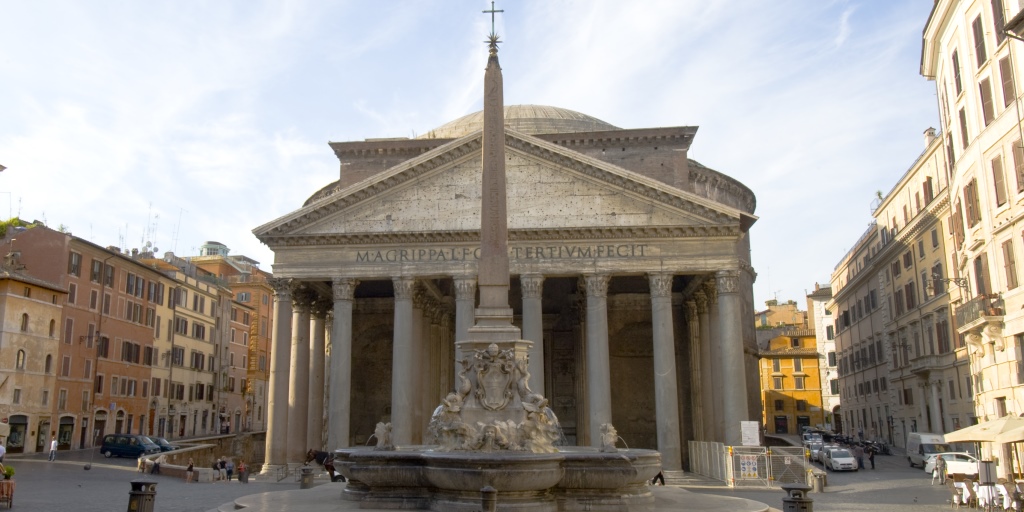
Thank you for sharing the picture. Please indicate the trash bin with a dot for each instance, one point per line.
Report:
(818, 481)
(306, 480)
(142, 497)
(797, 500)
(243, 476)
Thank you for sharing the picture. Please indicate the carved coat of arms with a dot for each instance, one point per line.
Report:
(494, 376)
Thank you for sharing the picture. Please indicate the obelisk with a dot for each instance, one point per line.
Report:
(494, 315)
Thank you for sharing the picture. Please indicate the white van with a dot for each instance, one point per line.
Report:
(922, 444)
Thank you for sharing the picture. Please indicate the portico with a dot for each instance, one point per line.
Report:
(630, 275)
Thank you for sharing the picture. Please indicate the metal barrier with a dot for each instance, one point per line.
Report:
(749, 466)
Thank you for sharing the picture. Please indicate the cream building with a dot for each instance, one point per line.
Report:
(975, 67)
(819, 318)
(30, 311)
(619, 245)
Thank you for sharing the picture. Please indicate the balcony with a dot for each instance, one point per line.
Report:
(972, 313)
(981, 320)
(922, 365)
(247, 278)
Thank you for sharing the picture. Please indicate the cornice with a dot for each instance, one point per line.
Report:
(473, 236)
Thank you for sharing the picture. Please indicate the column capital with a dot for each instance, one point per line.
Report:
(465, 288)
(701, 300)
(596, 285)
(661, 284)
(727, 281)
(303, 299)
(344, 288)
(690, 307)
(710, 291)
(282, 288)
(532, 285)
(404, 287)
(321, 307)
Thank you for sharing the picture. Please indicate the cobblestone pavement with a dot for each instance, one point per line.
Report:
(893, 486)
(43, 486)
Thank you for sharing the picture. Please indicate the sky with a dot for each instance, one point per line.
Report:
(176, 122)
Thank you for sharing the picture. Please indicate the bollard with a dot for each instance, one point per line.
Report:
(489, 499)
(142, 497)
(797, 501)
(306, 481)
(816, 481)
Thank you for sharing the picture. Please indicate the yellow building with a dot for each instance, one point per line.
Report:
(791, 382)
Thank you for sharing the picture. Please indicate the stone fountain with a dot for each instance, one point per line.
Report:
(492, 430)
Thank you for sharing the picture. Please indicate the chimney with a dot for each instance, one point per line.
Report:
(929, 136)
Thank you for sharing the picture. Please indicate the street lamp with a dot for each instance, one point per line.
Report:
(959, 282)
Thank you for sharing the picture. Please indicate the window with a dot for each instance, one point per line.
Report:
(1006, 73)
(99, 384)
(908, 259)
(964, 137)
(980, 54)
(981, 276)
(884, 384)
(1018, 163)
(801, 405)
(244, 296)
(65, 366)
(795, 342)
(24, 322)
(103, 348)
(96, 270)
(972, 203)
(75, 264)
(88, 368)
(832, 358)
(776, 382)
(798, 364)
(72, 292)
(956, 73)
(830, 332)
(19, 363)
(935, 238)
(62, 400)
(798, 382)
(896, 268)
(178, 356)
(834, 386)
(17, 396)
(998, 181)
(998, 21)
(1009, 265)
(85, 401)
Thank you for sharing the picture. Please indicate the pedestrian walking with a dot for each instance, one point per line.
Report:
(231, 469)
(858, 453)
(156, 464)
(53, 446)
(871, 456)
(190, 470)
(660, 477)
(222, 469)
(939, 473)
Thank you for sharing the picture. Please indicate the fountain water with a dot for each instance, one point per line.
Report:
(492, 430)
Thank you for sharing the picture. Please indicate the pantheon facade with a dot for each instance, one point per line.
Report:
(620, 248)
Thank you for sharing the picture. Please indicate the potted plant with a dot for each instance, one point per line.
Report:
(8, 472)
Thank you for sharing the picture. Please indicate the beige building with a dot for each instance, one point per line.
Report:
(30, 312)
(819, 319)
(619, 246)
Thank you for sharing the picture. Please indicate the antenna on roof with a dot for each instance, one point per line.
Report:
(177, 228)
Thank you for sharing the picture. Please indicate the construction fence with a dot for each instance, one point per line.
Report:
(749, 466)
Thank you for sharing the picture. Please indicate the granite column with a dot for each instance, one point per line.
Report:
(298, 382)
(340, 409)
(599, 391)
(732, 366)
(315, 421)
(532, 286)
(280, 361)
(403, 365)
(666, 391)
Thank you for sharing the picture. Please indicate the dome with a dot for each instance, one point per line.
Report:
(528, 119)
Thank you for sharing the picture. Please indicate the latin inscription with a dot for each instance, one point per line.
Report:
(515, 253)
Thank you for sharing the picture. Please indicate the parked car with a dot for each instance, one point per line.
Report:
(956, 462)
(820, 455)
(127, 445)
(813, 449)
(840, 459)
(165, 445)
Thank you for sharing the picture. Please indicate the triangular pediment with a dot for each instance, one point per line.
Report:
(550, 189)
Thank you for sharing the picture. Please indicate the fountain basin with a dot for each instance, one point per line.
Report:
(420, 478)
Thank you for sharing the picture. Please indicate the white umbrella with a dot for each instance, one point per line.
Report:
(988, 431)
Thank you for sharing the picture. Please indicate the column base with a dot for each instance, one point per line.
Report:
(273, 469)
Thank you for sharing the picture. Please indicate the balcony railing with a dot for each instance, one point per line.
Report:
(924, 364)
(974, 309)
(247, 278)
